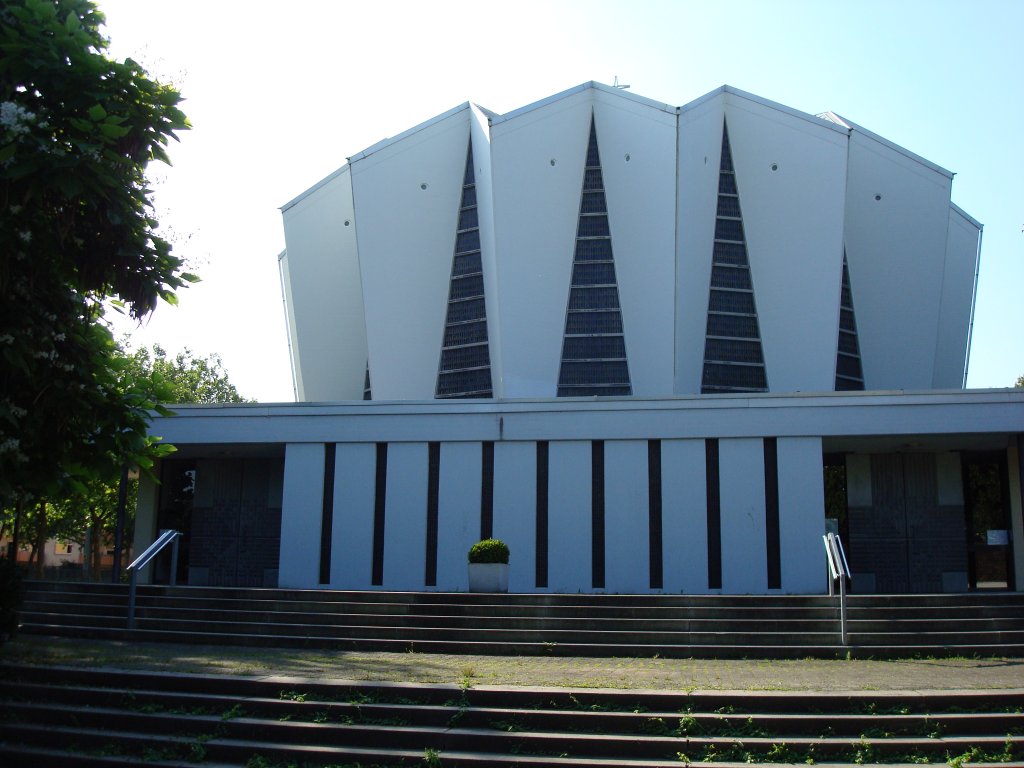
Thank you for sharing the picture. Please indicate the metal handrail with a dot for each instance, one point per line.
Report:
(166, 537)
(839, 570)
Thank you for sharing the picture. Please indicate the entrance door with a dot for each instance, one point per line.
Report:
(909, 535)
(986, 493)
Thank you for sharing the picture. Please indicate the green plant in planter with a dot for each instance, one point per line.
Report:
(489, 551)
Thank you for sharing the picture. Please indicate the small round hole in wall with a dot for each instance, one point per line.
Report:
(553, 161)
(423, 185)
(775, 166)
(627, 157)
(878, 197)
(347, 222)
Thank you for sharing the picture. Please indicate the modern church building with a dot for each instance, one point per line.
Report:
(653, 348)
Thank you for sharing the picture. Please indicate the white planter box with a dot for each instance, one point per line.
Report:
(488, 577)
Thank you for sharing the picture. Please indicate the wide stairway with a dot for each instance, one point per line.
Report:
(76, 717)
(681, 626)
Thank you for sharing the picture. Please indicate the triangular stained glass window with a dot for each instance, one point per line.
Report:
(465, 368)
(849, 375)
(733, 360)
(593, 348)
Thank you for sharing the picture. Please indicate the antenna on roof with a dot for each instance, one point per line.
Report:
(615, 84)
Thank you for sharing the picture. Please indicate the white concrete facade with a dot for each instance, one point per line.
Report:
(368, 265)
(549, 515)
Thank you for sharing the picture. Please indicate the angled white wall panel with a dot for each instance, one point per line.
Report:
(896, 250)
(289, 319)
(626, 517)
(407, 195)
(515, 510)
(793, 224)
(700, 146)
(640, 192)
(801, 515)
(458, 513)
(958, 280)
(352, 526)
(684, 518)
(481, 137)
(405, 516)
(570, 529)
(741, 484)
(537, 160)
(301, 516)
(323, 292)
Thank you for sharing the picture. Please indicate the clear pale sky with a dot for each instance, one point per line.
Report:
(279, 94)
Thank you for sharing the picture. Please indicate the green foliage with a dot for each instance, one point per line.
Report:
(185, 378)
(77, 131)
(1020, 382)
(489, 551)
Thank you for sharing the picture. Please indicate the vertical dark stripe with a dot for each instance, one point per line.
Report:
(327, 513)
(597, 513)
(433, 480)
(714, 514)
(379, 502)
(487, 490)
(542, 515)
(654, 511)
(771, 512)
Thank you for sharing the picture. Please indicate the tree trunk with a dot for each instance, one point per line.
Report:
(95, 554)
(40, 542)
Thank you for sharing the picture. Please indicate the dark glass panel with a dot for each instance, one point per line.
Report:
(593, 250)
(741, 377)
(594, 372)
(728, 206)
(594, 322)
(593, 298)
(467, 241)
(734, 326)
(730, 277)
(848, 366)
(731, 301)
(468, 219)
(466, 264)
(465, 357)
(463, 382)
(465, 287)
(595, 225)
(465, 333)
(593, 273)
(728, 229)
(593, 348)
(592, 179)
(733, 351)
(471, 309)
(730, 253)
(593, 202)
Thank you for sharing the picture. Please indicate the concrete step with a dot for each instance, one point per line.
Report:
(72, 716)
(602, 625)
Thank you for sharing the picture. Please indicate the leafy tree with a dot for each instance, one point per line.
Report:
(77, 130)
(190, 379)
(87, 514)
(1020, 382)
